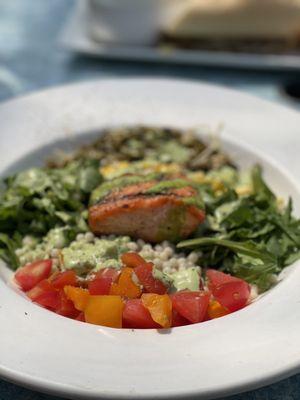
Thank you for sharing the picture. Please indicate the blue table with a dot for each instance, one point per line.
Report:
(30, 59)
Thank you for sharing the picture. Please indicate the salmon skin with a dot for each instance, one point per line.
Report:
(153, 211)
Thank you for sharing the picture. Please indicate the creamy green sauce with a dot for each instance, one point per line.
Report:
(33, 249)
(172, 225)
(188, 278)
(84, 257)
(164, 278)
(103, 190)
(165, 186)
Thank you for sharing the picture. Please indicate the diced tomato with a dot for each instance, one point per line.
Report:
(78, 296)
(216, 278)
(30, 275)
(135, 315)
(231, 292)
(104, 310)
(160, 308)
(146, 278)
(178, 320)
(80, 317)
(102, 281)
(143, 271)
(232, 295)
(191, 305)
(62, 279)
(125, 286)
(40, 288)
(66, 307)
(45, 295)
(216, 310)
(132, 260)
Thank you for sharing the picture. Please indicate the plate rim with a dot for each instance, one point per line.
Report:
(276, 376)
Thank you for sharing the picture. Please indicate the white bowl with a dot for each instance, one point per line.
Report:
(136, 22)
(253, 347)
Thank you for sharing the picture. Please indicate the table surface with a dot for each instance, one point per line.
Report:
(31, 59)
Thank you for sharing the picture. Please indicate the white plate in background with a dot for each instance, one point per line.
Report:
(251, 348)
(76, 37)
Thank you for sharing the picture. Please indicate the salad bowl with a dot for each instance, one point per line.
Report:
(245, 350)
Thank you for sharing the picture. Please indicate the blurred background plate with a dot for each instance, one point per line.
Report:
(75, 36)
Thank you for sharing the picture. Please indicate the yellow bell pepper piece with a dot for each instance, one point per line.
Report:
(104, 310)
(125, 286)
(216, 310)
(78, 296)
(160, 308)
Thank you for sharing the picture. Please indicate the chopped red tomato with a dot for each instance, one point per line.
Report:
(101, 283)
(231, 292)
(30, 275)
(232, 295)
(178, 320)
(40, 288)
(144, 272)
(80, 317)
(45, 295)
(104, 303)
(135, 315)
(66, 306)
(132, 260)
(191, 305)
(62, 279)
(216, 278)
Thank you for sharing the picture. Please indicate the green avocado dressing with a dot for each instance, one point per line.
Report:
(165, 186)
(188, 278)
(164, 278)
(84, 257)
(118, 183)
(171, 227)
(35, 249)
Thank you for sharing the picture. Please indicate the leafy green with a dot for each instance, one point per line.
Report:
(249, 236)
(36, 200)
(246, 248)
(261, 189)
(8, 247)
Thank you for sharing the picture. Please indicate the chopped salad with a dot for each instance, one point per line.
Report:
(145, 228)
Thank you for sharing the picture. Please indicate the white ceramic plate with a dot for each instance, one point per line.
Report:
(248, 349)
(75, 36)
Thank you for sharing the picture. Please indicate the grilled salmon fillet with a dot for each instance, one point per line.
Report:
(152, 211)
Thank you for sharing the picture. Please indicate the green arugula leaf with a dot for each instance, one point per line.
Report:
(250, 236)
(245, 248)
(261, 189)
